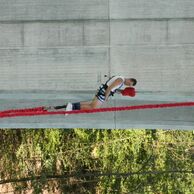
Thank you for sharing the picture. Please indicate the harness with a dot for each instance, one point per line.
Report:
(101, 92)
(103, 88)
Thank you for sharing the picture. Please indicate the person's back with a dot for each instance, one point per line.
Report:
(113, 79)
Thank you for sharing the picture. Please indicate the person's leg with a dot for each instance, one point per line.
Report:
(59, 107)
(86, 102)
(86, 105)
(65, 105)
(95, 103)
(76, 106)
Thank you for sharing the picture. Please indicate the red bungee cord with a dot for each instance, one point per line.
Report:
(37, 111)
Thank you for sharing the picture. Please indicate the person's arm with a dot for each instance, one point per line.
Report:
(116, 83)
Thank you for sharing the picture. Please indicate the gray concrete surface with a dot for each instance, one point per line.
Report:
(33, 10)
(172, 118)
(67, 45)
(123, 9)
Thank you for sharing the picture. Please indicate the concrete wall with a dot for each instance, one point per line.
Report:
(49, 45)
(71, 44)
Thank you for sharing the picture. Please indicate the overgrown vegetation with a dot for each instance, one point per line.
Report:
(97, 161)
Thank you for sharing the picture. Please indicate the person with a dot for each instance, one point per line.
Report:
(115, 84)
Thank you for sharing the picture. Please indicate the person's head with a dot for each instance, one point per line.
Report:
(130, 81)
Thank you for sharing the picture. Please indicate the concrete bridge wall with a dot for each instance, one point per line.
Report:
(71, 44)
(48, 45)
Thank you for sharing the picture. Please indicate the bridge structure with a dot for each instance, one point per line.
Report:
(52, 52)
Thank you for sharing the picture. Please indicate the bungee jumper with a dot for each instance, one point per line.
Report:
(115, 84)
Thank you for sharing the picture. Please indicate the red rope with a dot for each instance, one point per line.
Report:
(40, 110)
(23, 110)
